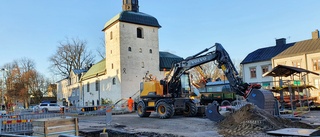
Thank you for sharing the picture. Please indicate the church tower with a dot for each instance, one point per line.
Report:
(132, 50)
(130, 5)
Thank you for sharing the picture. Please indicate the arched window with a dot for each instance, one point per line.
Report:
(110, 34)
(139, 33)
(97, 85)
(112, 66)
(129, 49)
(150, 50)
(88, 87)
(140, 50)
(113, 81)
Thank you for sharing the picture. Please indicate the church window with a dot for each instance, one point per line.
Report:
(97, 85)
(110, 51)
(88, 87)
(112, 66)
(150, 50)
(110, 34)
(129, 49)
(140, 50)
(139, 33)
(113, 81)
(142, 64)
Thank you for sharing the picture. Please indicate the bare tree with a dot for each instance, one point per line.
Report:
(102, 49)
(205, 73)
(22, 81)
(71, 54)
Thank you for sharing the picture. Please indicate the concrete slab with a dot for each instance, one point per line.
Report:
(293, 132)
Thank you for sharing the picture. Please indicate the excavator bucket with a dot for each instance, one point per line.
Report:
(212, 112)
(264, 99)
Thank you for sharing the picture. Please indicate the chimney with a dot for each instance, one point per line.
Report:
(315, 34)
(281, 41)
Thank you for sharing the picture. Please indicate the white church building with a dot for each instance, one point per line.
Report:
(132, 52)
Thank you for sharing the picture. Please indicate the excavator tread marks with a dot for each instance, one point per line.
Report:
(142, 110)
(164, 110)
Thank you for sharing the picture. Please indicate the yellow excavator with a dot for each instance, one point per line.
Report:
(174, 92)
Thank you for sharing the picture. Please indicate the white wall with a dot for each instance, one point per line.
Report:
(129, 67)
(259, 79)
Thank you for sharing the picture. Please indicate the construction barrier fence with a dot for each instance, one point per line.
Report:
(22, 124)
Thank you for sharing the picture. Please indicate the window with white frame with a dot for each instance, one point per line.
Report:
(253, 72)
(264, 69)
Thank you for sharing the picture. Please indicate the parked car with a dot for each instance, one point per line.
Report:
(50, 107)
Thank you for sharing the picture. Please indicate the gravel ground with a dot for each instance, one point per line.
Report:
(153, 126)
(179, 126)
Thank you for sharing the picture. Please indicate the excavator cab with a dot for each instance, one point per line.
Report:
(182, 87)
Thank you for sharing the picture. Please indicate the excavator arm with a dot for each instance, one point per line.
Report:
(251, 92)
(220, 56)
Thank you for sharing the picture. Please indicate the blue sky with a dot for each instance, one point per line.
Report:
(33, 28)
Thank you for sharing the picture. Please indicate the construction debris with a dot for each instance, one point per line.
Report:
(251, 120)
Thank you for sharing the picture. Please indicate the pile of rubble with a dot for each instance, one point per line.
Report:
(251, 120)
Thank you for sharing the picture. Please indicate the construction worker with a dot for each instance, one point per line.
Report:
(130, 104)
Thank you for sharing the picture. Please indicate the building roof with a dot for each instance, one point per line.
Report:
(265, 54)
(167, 59)
(285, 71)
(79, 71)
(302, 47)
(96, 70)
(134, 17)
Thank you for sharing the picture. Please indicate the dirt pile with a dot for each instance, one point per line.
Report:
(251, 120)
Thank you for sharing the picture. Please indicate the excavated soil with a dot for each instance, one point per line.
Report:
(253, 121)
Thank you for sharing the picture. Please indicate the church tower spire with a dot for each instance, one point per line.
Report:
(130, 5)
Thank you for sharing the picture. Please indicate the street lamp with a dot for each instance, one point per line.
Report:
(3, 80)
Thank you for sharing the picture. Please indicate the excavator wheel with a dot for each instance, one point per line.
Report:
(212, 112)
(225, 103)
(164, 110)
(190, 109)
(141, 109)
